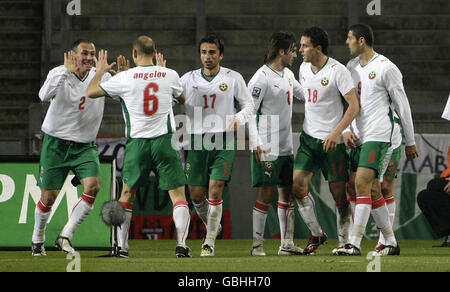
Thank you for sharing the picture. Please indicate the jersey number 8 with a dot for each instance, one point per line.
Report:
(150, 97)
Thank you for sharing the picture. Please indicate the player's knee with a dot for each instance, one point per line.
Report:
(92, 190)
(48, 197)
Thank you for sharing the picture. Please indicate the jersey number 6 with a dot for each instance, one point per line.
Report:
(150, 97)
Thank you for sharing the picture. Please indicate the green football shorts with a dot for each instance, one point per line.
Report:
(156, 154)
(391, 163)
(272, 173)
(311, 157)
(59, 156)
(203, 165)
(372, 156)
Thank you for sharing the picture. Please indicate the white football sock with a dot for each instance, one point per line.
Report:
(390, 204)
(181, 218)
(41, 215)
(361, 216)
(79, 213)
(202, 210)
(380, 215)
(122, 234)
(259, 222)
(286, 219)
(307, 209)
(214, 217)
(343, 220)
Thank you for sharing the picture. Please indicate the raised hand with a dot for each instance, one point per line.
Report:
(160, 60)
(70, 61)
(102, 62)
(123, 64)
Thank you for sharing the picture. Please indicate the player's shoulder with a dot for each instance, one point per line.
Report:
(335, 64)
(384, 63)
(230, 73)
(191, 74)
(57, 69)
(304, 66)
(353, 63)
(262, 72)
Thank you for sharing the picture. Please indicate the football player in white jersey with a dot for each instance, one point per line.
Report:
(328, 85)
(70, 126)
(146, 94)
(210, 107)
(381, 92)
(273, 87)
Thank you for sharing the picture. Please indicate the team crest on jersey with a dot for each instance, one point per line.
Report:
(324, 81)
(372, 75)
(223, 87)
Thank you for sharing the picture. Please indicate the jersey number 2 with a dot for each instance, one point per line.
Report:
(150, 97)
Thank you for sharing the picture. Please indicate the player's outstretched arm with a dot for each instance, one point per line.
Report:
(57, 76)
(94, 89)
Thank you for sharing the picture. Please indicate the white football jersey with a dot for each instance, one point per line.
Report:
(324, 104)
(273, 94)
(145, 93)
(380, 90)
(72, 115)
(208, 103)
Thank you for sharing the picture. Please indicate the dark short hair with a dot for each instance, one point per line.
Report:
(279, 40)
(318, 37)
(212, 39)
(362, 30)
(144, 45)
(78, 42)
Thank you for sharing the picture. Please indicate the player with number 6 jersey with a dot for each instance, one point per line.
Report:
(146, 94)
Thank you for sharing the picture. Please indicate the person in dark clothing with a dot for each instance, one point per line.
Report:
(434, 202)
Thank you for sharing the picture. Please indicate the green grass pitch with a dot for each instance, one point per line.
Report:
(234, 256)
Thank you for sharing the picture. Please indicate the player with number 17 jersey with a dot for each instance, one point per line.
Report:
(215, 97)
(146, 93)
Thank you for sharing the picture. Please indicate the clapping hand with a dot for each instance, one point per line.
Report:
(70, 61)
(102, 65)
